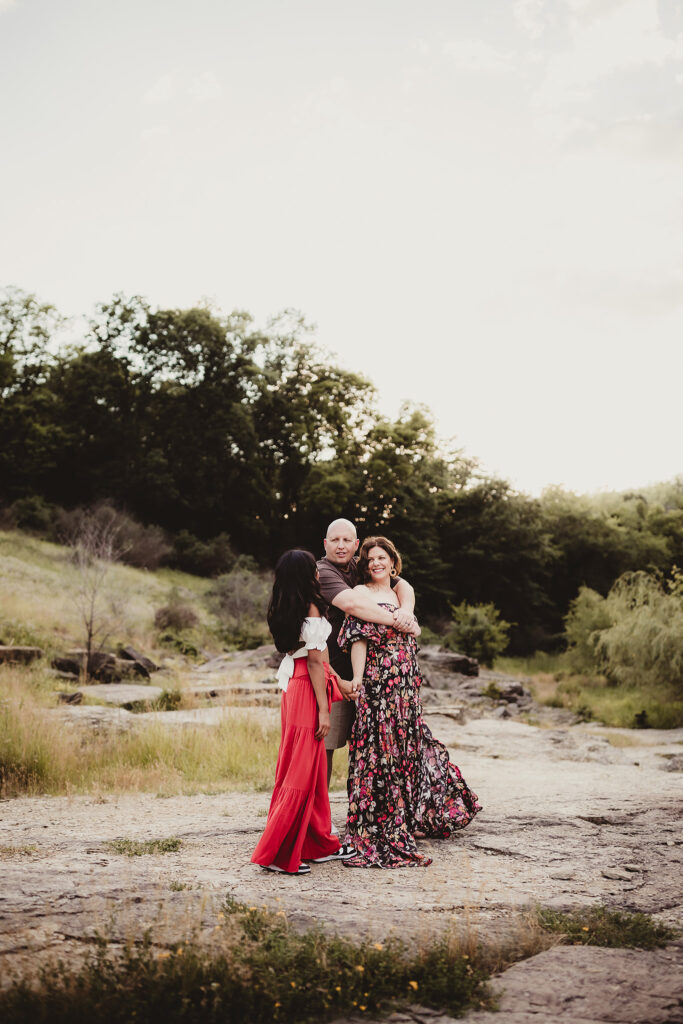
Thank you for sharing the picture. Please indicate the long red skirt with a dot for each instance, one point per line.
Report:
(298, 826)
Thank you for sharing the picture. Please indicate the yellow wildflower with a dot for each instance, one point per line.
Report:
(163, 955)
(413, 985)
(360, 968)
(378, 945)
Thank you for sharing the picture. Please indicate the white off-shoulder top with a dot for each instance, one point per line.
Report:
(314, 634)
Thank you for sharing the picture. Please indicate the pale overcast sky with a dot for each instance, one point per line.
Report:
(478, 202)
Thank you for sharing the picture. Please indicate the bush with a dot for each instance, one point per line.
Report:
(477, 631)
(32, 514)
(176, 615)
(203, 558)
(240, 600)
(644, 643)
(634, 636)
(145, 547)
(588, 615)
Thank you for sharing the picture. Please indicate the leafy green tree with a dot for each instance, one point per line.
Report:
(478, 631)
(587, 617)
(499, 550)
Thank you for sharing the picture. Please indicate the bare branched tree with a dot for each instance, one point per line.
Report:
(95, 548)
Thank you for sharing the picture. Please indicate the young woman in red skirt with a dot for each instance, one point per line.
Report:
(299, 821)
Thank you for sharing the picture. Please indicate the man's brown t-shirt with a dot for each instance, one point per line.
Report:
(334, 579)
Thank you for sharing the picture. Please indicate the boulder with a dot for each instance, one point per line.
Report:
(145, 665)
(70, 698)
(103, 666)
(19, 655)
(438, 660)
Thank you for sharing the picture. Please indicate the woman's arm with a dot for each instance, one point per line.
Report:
(315, 661)
(317, 674)
(359, 650)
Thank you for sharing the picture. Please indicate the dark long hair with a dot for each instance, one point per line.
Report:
(295, 589)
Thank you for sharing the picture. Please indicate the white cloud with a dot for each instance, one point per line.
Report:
(479, 56)
(206, 87)
(529, 16)
(157, 131)
(162, 90)
(326, 103)
(608, 36)
(647, 295)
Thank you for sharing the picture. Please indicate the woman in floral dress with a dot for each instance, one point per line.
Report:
(401, 781)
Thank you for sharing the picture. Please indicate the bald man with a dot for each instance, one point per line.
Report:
(338, 572)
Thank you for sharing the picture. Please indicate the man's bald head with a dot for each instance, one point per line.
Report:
(341, 524)
(341, 542)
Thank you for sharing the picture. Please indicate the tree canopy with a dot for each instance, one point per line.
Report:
(210, 427)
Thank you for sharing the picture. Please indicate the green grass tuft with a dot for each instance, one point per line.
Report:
(140, 847)
(599, 926)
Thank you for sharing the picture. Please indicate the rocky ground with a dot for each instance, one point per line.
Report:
(570, 818)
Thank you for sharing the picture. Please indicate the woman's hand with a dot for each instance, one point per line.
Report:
(349, 690)
(404, 621)
(323, 724)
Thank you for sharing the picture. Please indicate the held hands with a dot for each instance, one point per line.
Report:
(349, 690)
(405, 622)
(323, 723)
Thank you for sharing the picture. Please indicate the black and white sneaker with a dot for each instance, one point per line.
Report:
(303, 869)
(343, 853)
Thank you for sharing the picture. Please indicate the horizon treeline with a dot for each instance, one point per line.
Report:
(216, 431)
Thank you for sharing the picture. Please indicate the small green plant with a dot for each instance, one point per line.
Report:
(492, 691)
(182, 643)
(8, 852)
(168, 700)
(477, 631)
(599, 926)
(584, 713)
(179, 886)
(140, 847)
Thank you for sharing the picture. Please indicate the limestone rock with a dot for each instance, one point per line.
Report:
(145, 665)
(438, 660)
(19, 655)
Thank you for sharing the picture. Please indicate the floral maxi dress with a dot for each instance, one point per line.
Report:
(400, 778)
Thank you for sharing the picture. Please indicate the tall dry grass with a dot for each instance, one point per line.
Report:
(41, 752)
(38, 583)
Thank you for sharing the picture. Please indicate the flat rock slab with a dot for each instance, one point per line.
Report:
(122, 693)
(583, 984)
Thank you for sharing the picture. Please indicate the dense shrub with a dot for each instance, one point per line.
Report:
(33, 514)
(634, 635)
(203, 558)
(477, 631)
(145, 547)
(240, 600)
(644, 643)
(177, 614)
(588, 616)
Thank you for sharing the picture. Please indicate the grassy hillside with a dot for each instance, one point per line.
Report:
(39, 598)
